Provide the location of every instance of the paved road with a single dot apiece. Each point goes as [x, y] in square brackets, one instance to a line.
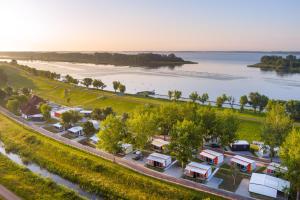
[7, 195]
[126, 163]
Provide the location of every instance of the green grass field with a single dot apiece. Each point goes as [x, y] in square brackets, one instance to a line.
[93, 173]
[29, 186]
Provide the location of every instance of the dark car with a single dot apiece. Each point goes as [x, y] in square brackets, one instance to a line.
[138, 155]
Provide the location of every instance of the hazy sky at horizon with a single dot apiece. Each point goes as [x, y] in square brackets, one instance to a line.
[120, 25]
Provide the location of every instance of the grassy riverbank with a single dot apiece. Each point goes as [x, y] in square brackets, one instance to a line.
[91, 172]
[29, 186]
[88, 98]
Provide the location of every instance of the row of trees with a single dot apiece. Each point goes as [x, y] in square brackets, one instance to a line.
[96, 83]
[188, 125]
[36, 72]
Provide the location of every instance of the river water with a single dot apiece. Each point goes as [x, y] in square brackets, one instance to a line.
[45, 173]
[216, 73]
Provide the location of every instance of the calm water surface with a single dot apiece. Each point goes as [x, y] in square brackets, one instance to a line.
[215, 73]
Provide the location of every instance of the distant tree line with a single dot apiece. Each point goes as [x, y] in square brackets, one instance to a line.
[290, 63]
[36, 72]
[141, 59]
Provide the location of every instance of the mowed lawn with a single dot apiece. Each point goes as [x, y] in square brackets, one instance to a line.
[55, 91]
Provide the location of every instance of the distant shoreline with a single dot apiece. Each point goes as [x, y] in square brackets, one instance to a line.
[150, 60]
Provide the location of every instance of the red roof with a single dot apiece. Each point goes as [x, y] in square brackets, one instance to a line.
[32, 106]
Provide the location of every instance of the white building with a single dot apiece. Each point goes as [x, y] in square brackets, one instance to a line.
[244, 164]
[58, 126]
[159, 160]
[159, 145]
[126, 148]
[94, 139]
[76, 130]
[86, 113]
[276, 168]
[95, 123]
[198, 171]
[211, 157]
[267, 185]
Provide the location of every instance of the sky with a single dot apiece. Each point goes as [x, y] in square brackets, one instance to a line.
[149, 25]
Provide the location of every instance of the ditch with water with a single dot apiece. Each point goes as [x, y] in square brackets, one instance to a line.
[45, 173]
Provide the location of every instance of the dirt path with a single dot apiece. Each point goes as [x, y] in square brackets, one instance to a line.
[7, 195]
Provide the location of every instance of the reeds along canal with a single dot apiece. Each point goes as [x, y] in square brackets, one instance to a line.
[45, 173]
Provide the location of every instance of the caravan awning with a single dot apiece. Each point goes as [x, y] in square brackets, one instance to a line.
[241, 162]
[205, 154]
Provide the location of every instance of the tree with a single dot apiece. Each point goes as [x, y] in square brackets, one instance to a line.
[101, 114]
[254, 99]
[25, 91]
[231, 101]
[276, 127]
[184, 140]
[87, 82]
[263, 101]
[3, 77]
[98, 84]
[141, 126]
[13, 106]
[122, 88]
[243, 102]
[203, 98]
[76, 116]
[9, 90]
[88, 128]
[177, 95]
[112, 132]
[290, 157]
[2, 95]
[116, 85]
[194, 96]
[207, 119]
[170, 94]
[167, 116]
[227, 127]
[293, 109]
[45, 110]
[220, 101]
[66, 118]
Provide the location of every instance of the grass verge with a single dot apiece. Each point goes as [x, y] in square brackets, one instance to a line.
[29, 186]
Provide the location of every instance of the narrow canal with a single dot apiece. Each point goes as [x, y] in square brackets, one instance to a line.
[45, 173]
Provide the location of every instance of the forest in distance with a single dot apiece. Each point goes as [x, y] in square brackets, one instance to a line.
[151, 60]
[289, 64]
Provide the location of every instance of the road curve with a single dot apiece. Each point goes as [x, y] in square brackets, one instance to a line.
[126, 163]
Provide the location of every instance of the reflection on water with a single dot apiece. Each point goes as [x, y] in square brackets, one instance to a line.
[44, 173]
[215, 73]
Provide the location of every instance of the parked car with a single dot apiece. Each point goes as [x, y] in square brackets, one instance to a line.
[138, 155]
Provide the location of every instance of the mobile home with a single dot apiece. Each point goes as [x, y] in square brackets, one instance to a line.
[211, 157]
